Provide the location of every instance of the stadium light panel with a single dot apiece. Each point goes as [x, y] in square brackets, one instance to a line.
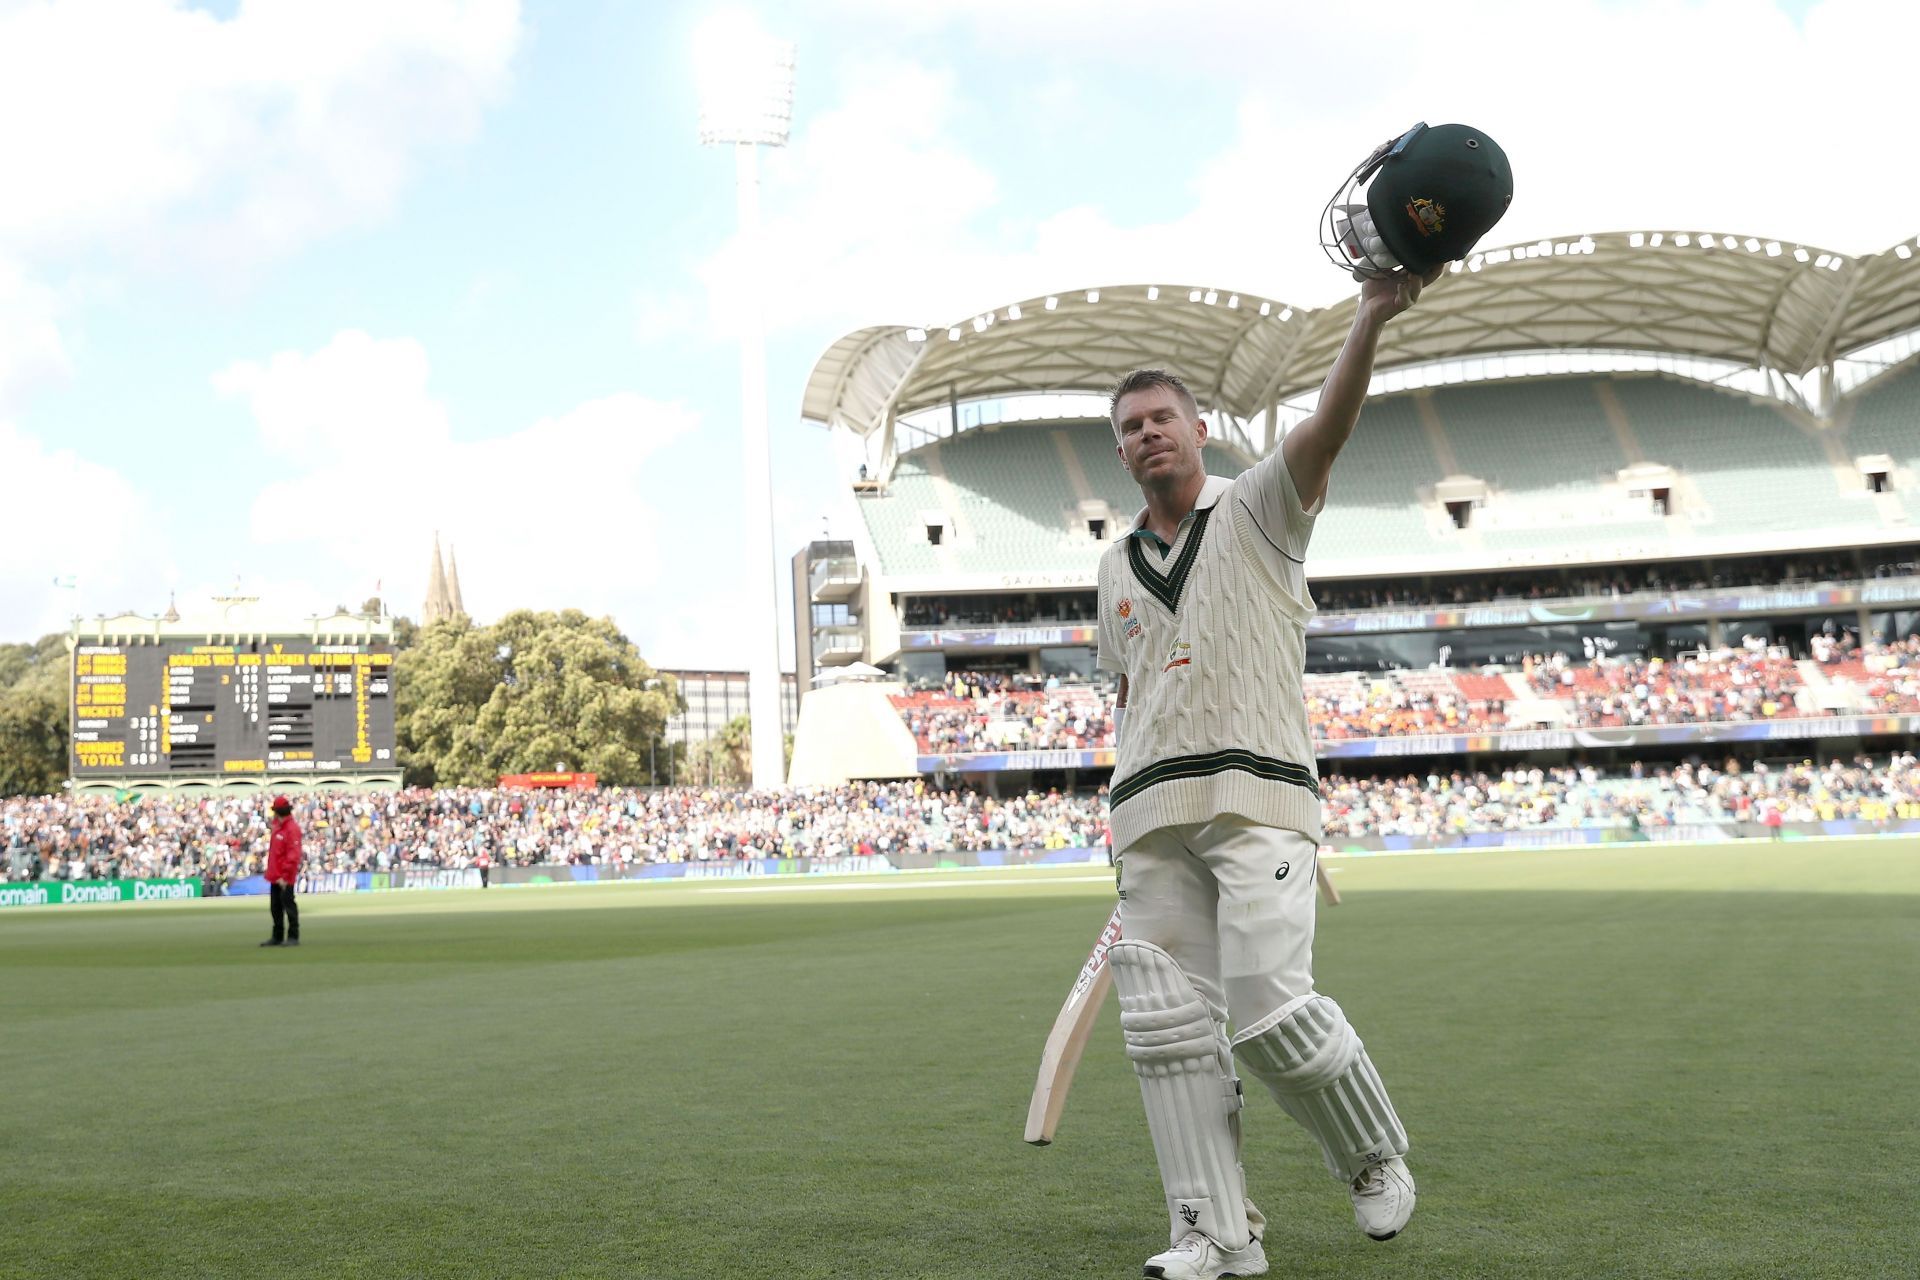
[1753, 246]
[1658, 236]
[916, 335]
[745, 78]
[953, 334]
[979, 324]
[1730, 242]
[1586, 244]
[1799, 254]
[1683, 240]
[1820, 263]
[1458, 266]
[1013, 312]
[1902, 252]
[1153, 293]
[1286, 313]
[1233, 302]
[1193, 295]
[1266, 308]
[1637, 240]
[1093, 295]
[1211, 297]
[1773, 248]
[1052, 302]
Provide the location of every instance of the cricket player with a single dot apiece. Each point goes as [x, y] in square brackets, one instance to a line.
[1203, 608]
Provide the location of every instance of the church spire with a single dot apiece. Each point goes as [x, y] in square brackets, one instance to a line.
[437, 606]
[454, 601]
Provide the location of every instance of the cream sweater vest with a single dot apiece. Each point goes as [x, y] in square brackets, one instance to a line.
[1213, 648]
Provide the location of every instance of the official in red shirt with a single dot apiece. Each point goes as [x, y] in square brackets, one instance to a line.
[283, 868]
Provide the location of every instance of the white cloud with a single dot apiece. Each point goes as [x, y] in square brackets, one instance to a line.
[71, 520]
[146, 128]
[368, 389]
[564, 513]
[142, 135]
[1722, 115]
[31, 348]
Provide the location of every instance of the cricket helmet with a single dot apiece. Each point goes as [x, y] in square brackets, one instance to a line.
[1430, 194]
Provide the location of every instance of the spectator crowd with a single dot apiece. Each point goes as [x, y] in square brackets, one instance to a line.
[1643, 797]
[975, 711]
[223, 837]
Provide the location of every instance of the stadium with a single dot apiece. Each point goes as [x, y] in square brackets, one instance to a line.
[1618, 502]
[1612, 685]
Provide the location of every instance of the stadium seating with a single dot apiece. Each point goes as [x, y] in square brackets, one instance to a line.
[893, 517]
[1887, 420]
[1756, 471]
[1374, 509]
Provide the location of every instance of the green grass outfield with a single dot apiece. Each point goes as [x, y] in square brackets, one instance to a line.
[1632, 1061]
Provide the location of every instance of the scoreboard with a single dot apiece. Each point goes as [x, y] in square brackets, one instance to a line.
[173, 708]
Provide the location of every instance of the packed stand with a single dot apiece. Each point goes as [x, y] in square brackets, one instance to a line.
[1752, 683]
[225, 837]
[1644, 798]
[1345, 707]
[1888, 675]
[984, 711]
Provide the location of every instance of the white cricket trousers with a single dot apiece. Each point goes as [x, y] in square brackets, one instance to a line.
[1232, 902]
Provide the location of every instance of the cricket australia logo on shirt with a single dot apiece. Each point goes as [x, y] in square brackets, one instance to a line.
[1125, 610]
[1179, 654]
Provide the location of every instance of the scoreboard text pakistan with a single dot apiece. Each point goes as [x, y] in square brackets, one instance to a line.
[175, 709]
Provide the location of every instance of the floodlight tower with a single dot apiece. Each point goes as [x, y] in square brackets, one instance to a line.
[746, 101]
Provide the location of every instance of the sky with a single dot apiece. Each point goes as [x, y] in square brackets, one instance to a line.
[287, 287]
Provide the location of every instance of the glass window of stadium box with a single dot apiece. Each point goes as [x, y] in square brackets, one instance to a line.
[1075, 662]
[1898, 625]
[922, 668]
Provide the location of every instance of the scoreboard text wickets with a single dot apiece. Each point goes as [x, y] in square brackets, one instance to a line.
[274, 707]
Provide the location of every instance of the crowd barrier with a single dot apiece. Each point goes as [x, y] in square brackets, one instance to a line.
[67, 893]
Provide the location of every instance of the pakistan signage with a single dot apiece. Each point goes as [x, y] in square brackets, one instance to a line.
[72, 893]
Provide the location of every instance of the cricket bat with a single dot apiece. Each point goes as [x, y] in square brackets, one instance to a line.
[1069, 1037]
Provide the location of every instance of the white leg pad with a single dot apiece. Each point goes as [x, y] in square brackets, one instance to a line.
[1193, 1099]
[1318, 1071]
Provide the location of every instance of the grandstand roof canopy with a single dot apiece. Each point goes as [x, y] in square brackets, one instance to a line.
[1755, 303]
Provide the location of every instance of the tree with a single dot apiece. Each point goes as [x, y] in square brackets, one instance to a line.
[531, 692]
[726, 759]
[33, 716]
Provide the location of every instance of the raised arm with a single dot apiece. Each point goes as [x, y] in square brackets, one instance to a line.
[1311, 447]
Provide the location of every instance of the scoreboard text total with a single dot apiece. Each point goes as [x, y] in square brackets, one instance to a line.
[273, 706]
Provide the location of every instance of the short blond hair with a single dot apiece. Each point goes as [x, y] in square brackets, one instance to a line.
[1146, 380]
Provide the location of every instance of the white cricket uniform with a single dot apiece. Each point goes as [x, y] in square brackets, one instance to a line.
[1215, 810]
[1216, 807]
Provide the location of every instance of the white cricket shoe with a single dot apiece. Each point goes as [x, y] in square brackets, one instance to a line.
[1200, 1257]
[1383, 1198]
